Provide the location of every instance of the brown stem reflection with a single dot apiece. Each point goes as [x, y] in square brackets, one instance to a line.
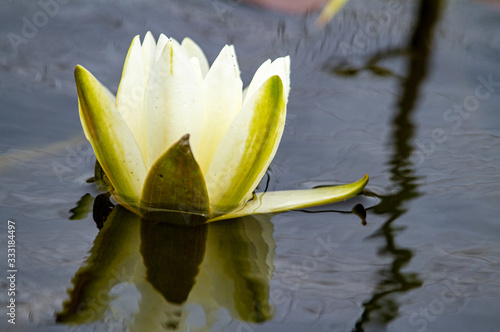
[227, 264]
[382, 307]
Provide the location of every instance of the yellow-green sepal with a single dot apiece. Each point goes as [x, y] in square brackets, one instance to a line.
[113, 142]
[247, 149]
[175, 184]
[280, 201]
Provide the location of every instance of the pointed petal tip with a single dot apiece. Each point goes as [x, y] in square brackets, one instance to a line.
[79, 69]
[277, 78]
[83, 77]
[188, 42]
[184, 144]
[175, 183]
[277, 88]
[364, 179]
[82, 73]
[149, 36]
[184, 141]
[135, 40]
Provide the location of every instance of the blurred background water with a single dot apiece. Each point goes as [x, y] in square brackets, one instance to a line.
[407, 91]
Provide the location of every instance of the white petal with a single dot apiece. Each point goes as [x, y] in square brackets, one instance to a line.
[173, 100]
[280, 67]
[130, 95]
[193, 50]
[148, 55]
[258, 78]
[247, 149]
[162, 41]
[221, 93]
[197, 69]
[235, 61]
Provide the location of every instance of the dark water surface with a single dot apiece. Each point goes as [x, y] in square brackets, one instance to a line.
[407, 91]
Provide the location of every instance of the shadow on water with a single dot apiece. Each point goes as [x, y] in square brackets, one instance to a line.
[382, 308]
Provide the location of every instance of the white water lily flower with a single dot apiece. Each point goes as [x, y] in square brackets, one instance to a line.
[183, 136]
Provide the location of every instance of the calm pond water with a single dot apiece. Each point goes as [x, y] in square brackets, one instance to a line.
[407, 91]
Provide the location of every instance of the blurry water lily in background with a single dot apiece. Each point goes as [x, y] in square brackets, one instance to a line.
[181, 136]
[331, 8]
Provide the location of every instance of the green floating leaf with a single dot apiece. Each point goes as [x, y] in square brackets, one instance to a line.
[280, 201]
[175, 184]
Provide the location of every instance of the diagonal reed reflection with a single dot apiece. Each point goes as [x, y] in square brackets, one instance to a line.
[382, 308]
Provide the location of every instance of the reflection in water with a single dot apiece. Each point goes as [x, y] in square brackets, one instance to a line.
[358, 210]
[382, 308]
[239, 266]
[102, 209]
[83, 208]
[112, 260]
[164, 246]
[227, 264]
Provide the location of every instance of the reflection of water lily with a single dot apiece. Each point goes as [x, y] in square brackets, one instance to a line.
[181, 136]
[222, 265]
